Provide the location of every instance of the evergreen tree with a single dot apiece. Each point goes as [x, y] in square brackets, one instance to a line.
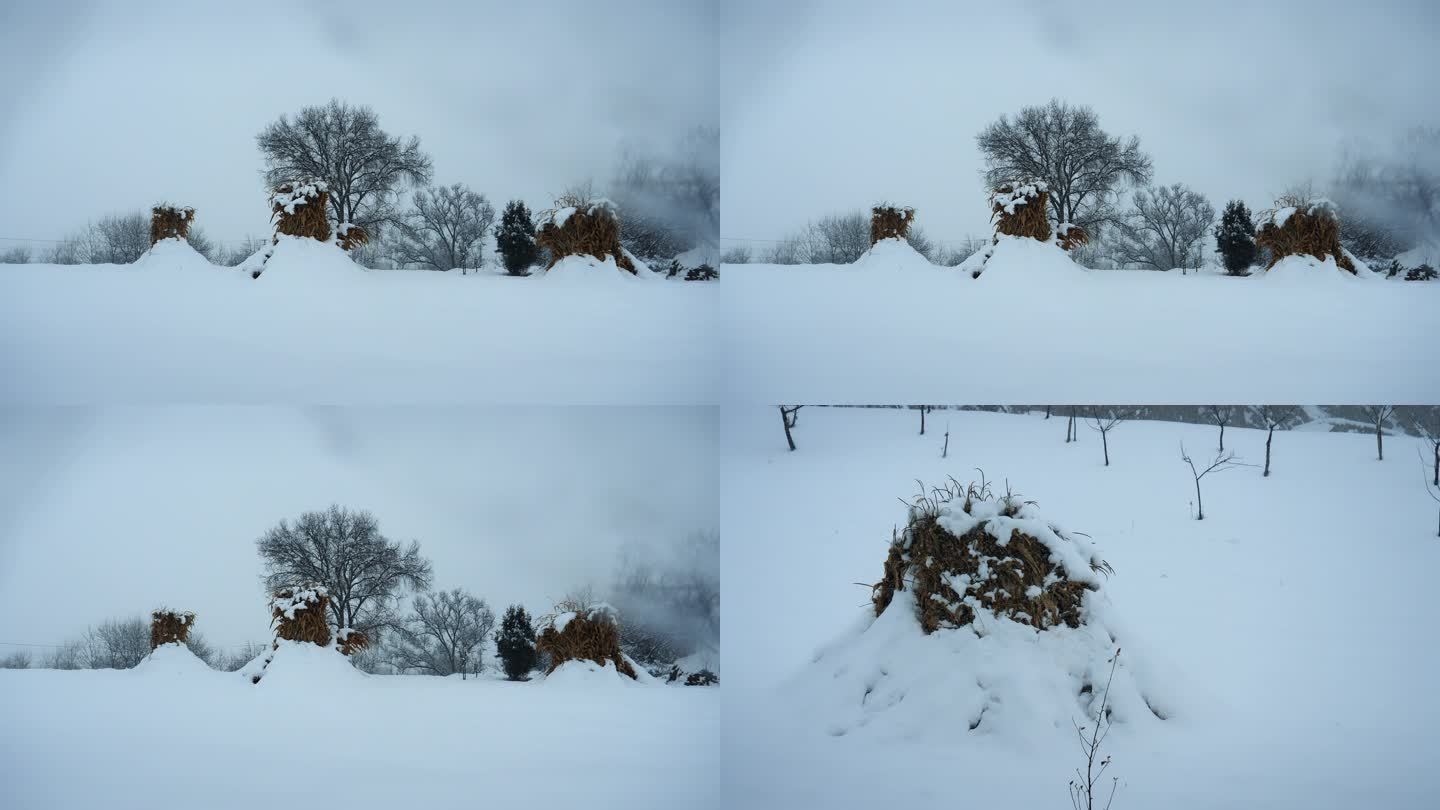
[1235, 238]
[515, 641]
[516, 239]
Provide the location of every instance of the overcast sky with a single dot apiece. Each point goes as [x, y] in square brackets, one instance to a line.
[112, 106]
[832, 105]
[114, 513]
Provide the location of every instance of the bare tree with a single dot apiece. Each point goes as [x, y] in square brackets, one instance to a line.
[1064, 146]
[789, 416]
[446, 229]
[740, 254]
[200, 241]
[1430, 431]
[444, 634]
[1431, 489]
[670, 199]
[115, 644]
[1221, 462]
[1222, 414]
[923, 410]
[16, 660]
[1280, 417]
[1105, 420]
[16, 255]
[669, 598]
[344, 551]
[1082, 787]
[1395, 191]
[1165, 229]
[345, 146]
[836, 239]
[1378, 416]
[1070, 426]
[945, 448]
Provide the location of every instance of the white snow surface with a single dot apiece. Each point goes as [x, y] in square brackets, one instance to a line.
[1291, 673]
[315, 328]
[892, 254]
[1035, 323]
[320, 734]
[173, 660]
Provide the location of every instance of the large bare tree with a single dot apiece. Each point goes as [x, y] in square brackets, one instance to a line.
[669, 199]
[344, 145]
[1392, 194]
[343, 550]
[1064, 145]
[1165, 229]
[445, 230]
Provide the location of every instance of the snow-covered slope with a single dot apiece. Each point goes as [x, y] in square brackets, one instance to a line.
[1035, 323]
[317, 329]
[1283, 637]
[321, 736]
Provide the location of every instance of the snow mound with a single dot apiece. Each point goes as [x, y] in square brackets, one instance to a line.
[998, 677]
[173, 660]
[1018, 260]
[301, 664]
[588, 269]
[172, 254]
[297, 258]
[584, 672]
[892, 254]
[1306, 269]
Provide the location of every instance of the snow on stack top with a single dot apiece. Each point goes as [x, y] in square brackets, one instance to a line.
[170, 222]
[889, 248]
[588, 229]
[173, 658]
[1019, 209]
[173, 253]
[964, 551]
[299, 614]
[589, 633]
[1303, 227]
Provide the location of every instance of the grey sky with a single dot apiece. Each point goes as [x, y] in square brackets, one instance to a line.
[833, 105]
[110, 106]
[115, 512]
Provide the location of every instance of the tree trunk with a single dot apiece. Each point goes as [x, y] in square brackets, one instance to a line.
[1379, 445]
[1222, 437]
[922, 420]
[945, 451]
[1436, 482]
[1199, 504]
[1047, 411]
[786, 421]
[1268, 437]
[1105, 442]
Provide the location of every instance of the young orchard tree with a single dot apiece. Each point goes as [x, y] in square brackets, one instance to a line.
[1104, 420]
[364, 166]
[1221, 462]
[1235, 238]
[1277, 417]
[789, 416]
[923, 410]
[445, 230]
[515, 643]
[515, 239]
[1166, 228]
[444, 634]
[1430, 432]
[1064, 145]
[1378, 416]
[344, 550]
[1083, 795]
[1222, 414]
[1070, 426]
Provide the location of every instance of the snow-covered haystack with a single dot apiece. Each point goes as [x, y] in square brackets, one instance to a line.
[1022, 261]
[172, 254]
[892, 254]
[589, 634]
[301, 614]
[170, 626]
[350, 641]
[1069, 236]
[301, 209]
[1308, 228]
[301, 260]
[890, 222]
[173, 658]
[988, 620]
[170, 222]
[1021, 210]
[577, 227]
[964, 551]
[349, 236]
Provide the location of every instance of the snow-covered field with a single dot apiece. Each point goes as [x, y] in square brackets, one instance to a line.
[316, 329]
[894, 328]
[1288, 638]
[174, 733]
